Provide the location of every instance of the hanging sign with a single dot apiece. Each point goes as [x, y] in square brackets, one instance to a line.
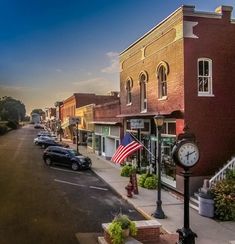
[137, 123]
[74, 120]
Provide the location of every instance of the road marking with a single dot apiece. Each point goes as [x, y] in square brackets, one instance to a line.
[98, 188]
[69, 183]
[65, 170]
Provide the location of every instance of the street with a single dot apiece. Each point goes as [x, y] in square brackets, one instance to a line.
[39, 204]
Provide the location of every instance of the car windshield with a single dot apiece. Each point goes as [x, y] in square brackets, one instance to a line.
[73, 152]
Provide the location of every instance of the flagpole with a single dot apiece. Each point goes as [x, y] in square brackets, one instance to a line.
[142, 144]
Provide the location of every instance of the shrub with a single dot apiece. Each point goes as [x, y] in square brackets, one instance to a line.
[3, 129]
[142, 179]
[12, 124]
[120, 223]
[127, 170]
[224, 197]
[230, 174]
[150, 182]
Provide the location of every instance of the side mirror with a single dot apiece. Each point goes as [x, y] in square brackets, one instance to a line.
[67, 155]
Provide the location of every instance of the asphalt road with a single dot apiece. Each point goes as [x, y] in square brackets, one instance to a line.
[49, 205]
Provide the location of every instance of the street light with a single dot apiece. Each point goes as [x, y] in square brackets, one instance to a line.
[159, 121]
[77, 133]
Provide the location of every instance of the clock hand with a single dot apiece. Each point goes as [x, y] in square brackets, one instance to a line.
[190, 153]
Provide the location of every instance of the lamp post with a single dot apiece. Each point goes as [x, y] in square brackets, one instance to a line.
[159, 121]
[77, 134]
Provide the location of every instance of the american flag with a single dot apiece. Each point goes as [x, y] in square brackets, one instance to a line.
[127, 147]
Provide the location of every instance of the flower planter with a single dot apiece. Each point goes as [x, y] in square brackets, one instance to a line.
[206, 207]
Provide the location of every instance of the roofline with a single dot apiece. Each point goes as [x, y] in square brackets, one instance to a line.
[191, 12]
[156, 26]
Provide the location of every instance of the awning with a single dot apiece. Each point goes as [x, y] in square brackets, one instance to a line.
[65, 124]
[104, 122]
[176, 113]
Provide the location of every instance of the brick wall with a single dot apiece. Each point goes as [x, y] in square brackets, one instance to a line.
[162, 44]
[212, 118]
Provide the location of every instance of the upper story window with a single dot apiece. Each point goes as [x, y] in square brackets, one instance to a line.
[162, 72]
[143, 78]
[129, 85]
[204, 76]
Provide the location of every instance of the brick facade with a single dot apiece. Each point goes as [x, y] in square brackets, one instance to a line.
[177, 43]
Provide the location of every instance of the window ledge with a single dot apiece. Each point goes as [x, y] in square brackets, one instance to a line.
[144, 111]
[162, 99]
[205, 95]
[128, 104]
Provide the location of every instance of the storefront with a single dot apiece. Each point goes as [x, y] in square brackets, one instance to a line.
[107, 138]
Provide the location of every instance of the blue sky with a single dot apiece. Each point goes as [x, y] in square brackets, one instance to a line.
[50, 49]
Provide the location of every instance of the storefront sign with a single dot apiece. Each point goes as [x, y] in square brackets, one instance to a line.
[137, 123]
[168, 140]
[74, 120]
[153, 138]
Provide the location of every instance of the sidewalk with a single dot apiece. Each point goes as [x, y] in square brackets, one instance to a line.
[208, 230]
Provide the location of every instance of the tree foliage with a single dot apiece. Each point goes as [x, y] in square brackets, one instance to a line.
[11, 109]
[38, 111]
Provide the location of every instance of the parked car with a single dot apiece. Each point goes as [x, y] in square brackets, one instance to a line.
[66, 157]
[51, 142]
[43, 138]
[38, 126]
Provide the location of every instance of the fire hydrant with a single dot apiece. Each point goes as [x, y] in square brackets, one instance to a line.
[129, 189]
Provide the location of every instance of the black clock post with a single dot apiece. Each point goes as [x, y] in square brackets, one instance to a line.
[186, 235]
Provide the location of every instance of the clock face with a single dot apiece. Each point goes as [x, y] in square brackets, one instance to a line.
[188, 154]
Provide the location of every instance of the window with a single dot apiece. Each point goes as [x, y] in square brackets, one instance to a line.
[204, 77]
[162, 72]
[143, 91]
[129, 85]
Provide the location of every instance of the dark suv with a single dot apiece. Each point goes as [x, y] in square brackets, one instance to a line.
[50, 142]
[66, 157]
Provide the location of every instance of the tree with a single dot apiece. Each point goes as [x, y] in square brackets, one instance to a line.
[38, 111]
[11, 109]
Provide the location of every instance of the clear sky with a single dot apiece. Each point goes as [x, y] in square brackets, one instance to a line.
[50, 49]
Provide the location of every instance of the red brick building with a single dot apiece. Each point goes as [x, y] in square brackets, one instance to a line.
[184, 69]
[77, 100]
[108, 128]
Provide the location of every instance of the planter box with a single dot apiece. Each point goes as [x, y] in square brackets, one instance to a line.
[206, 207]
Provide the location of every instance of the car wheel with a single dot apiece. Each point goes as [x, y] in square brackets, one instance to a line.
[75, 166]
[43, 146]
[48, 161]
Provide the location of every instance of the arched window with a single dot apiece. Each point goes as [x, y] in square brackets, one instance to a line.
[162, 72]
[129, 85]
[143, 78]
[204, 68]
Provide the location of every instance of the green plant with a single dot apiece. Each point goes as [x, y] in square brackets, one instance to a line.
[150, 182]
[126, 170]
[142, 179]
[224, 197]
[230, 174]
[120, 223]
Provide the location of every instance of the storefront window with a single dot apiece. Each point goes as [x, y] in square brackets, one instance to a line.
[103, 144]
[168, 141]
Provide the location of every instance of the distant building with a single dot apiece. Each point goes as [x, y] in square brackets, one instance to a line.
[108, 128]
[77, 100]
[35, 118]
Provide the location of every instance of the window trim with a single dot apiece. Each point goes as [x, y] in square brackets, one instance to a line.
[166, 67]
[208, 93]
[143, 83]
[128, 92]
